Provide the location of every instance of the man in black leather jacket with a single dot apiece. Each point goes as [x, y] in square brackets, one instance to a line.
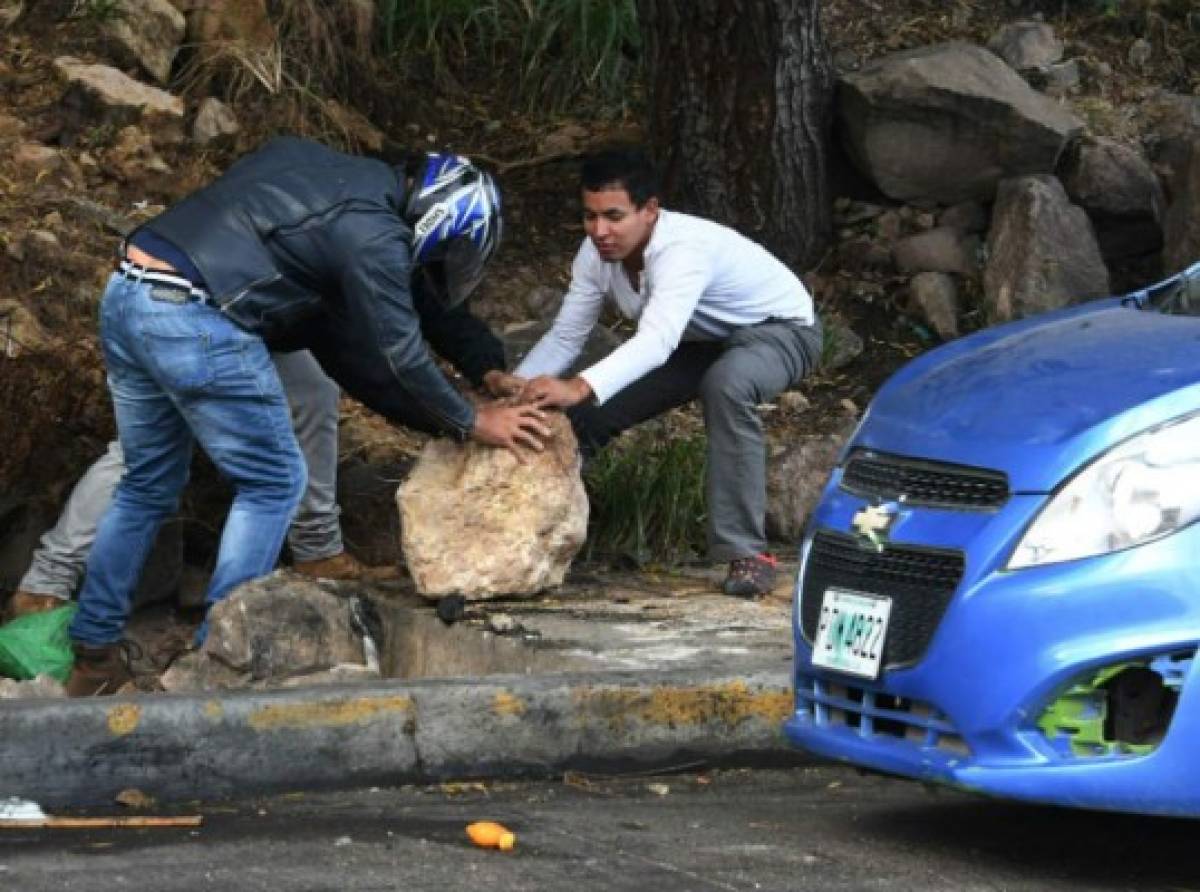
[308, 247]
[295, 246]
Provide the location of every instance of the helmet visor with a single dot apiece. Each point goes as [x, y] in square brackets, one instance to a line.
[462, 271]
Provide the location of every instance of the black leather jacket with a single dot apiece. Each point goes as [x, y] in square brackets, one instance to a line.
[308, 248]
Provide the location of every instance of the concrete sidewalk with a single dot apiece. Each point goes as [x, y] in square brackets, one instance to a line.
[612, 674]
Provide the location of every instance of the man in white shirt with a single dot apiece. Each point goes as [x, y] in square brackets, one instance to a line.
[718, 318]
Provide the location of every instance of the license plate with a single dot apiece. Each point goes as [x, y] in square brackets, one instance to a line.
[851, 632]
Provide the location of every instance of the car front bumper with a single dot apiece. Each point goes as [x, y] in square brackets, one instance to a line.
[971, 711]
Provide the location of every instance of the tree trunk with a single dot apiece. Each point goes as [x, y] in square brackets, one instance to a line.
[741, 98]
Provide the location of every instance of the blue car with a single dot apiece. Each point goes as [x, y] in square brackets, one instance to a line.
[1000, 587]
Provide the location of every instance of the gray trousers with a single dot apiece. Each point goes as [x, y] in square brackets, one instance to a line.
[730, 378]
[60, 559]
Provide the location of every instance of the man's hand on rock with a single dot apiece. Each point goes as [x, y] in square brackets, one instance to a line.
[500, 383]
[511, 427]
[548, 392]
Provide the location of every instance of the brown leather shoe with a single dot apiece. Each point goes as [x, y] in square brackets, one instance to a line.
[345, 566]
[22, 603]
[99, 671]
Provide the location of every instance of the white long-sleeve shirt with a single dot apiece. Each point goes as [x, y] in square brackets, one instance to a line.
[701, 281]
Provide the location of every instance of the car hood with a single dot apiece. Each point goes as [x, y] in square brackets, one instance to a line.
[1038, 398]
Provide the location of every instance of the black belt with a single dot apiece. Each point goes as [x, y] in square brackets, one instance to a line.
[178, 288]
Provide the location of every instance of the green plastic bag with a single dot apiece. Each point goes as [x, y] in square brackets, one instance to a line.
[37, 644]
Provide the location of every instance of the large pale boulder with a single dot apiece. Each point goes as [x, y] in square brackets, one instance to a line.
[476, 521]
[947, 122]
[1042, 251]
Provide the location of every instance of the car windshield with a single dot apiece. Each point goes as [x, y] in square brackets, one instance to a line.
[1178, 296]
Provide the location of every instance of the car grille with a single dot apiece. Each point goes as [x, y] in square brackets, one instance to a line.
[877, 475]
[873, 714]
[920, 582]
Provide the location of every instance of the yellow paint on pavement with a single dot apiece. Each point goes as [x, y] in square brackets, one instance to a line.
[505, 703]
[314, 715]
[728, 704]
[124, 719]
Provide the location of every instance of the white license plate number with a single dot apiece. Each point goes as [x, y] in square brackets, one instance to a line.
[851, 632]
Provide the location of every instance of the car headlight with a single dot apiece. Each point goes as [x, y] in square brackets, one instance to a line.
[1146, 488]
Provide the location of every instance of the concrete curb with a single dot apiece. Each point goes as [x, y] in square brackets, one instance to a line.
[187, 747]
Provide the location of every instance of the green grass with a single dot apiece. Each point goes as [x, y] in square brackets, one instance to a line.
[571, 47]
[647, 498]
[552, 52]
[444, 31]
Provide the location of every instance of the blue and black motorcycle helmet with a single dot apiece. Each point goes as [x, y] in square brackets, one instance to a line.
[454, 210]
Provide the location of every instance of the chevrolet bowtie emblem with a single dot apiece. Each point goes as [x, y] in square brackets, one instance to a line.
[873, 522]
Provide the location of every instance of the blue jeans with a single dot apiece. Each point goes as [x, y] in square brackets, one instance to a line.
[179, 373]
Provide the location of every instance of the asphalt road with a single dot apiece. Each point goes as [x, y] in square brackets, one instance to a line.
[823, 828]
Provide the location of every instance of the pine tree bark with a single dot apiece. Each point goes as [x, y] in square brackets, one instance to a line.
[740, 97]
